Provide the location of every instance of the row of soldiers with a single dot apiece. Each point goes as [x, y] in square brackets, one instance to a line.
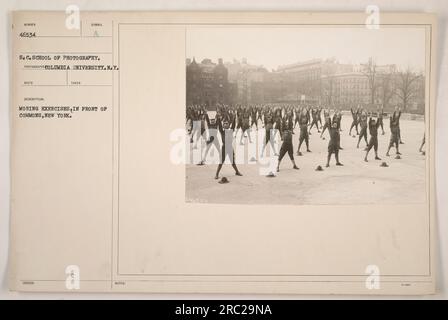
[284, 119]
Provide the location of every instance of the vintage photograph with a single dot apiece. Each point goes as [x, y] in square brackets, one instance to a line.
[226, 152]
[305, 115]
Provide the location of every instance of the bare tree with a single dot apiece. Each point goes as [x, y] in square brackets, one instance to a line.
[405, 86]
[370, 71]
[387, 88]
[328, 86]
[328, 90]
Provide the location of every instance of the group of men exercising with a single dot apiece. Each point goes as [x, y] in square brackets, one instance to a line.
[229, 120]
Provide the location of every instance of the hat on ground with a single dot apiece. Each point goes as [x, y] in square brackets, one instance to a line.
[384, 164]
[397, 156]
[319, 168]
[223, 180]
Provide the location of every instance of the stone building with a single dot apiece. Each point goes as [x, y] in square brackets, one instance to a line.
[246, 77]
[207, 83]
[303, 80]
[316, 82]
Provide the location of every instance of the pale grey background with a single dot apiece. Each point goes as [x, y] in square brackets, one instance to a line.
[434, 6]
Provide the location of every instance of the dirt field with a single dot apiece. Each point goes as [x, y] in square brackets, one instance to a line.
[357, 182]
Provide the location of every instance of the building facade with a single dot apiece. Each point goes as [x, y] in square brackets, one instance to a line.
[246, 77]
[303, 80]
[316, 82]
[207, 83]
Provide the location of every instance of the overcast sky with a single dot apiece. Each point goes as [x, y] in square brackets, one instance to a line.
[274, 46]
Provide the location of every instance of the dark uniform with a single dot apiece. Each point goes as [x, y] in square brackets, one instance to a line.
[253, 117]
[226, 149]
[327, 123]
[363, 133]
[394, 132]
[373, 129]
[278, 123]
[335, 141]
[334, 145]
[296, 116]
[212, 127]
[260, 114]
[380, 121]
[202, 117]
[245, 124]
[421, 146]
[373, 142]
[287, 146]
[303, 124]
[268, 125]
[315, 116]
[354, 121]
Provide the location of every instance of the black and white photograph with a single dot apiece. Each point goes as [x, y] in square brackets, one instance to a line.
[306, 114]
[231, 152]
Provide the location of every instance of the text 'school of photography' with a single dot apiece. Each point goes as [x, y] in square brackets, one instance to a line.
[345, 105]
